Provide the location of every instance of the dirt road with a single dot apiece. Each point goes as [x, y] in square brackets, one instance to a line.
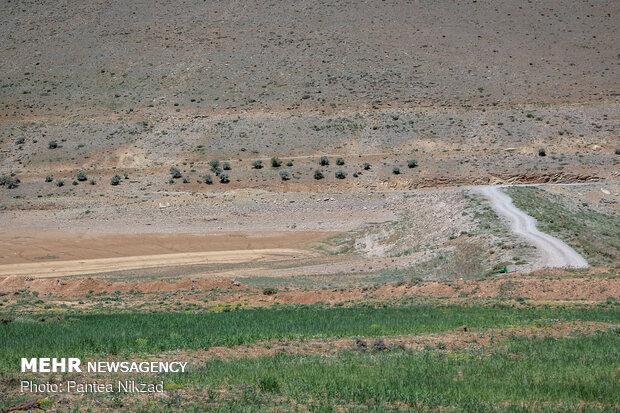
[94, 266]
[555, 253]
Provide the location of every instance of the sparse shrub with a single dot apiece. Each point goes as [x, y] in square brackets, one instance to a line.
[412, 163]
[285, 175]
[52, 145]
[339, 161]
[257, 164]
[270, 291]
[224, 178]
[49, 178]
[20, 141]
[276, 162]
[542, 152]
[81, 176]
[355, 174]
[93, 182]
[60, 182]
[226, 166]
[74, 182]
[9, 182]
[171, 181]
[175, 172]
[617, 151]
[289, 163]
[340, 174]
[116, 179]
[215, 165]
[324, 161]
[396, 170]
[185, 181]
[126, 175]
[208, 179]
[318, 175]
[366, 166]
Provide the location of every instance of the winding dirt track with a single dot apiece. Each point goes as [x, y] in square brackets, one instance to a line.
[94, 266]
[555, 253]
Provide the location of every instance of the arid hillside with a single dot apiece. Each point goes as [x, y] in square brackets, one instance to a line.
[470, 90]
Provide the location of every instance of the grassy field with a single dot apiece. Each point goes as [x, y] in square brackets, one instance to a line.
[527, 374]
[594, 234]
[514, 373]
[123, 334]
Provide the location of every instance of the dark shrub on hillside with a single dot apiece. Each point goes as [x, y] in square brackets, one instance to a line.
[175, 173]
[214, 164]
[396, 170]
[81, 176]
[224, 178]
[542, 152]
[339, 161]
[257, 164]
[324, 161]
[276, 162]
[412, 163]
[226, 166]
[49, 178]
[208, 179]
[366, 166]
[318, 174]
[60, 182]
[285, 175]
[52, 145]
[116, 179]
[340, 174]
[9, 181]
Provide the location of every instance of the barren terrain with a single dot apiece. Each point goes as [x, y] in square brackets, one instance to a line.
[279, 180]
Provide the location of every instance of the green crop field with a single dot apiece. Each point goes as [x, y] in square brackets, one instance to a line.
[539, 374]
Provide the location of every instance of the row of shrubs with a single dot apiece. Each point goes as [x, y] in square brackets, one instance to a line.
[10, 181]
[217, 169]
[82, 177]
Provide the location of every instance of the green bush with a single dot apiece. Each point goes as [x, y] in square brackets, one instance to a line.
[412, 163]
[324, 161]
[276, 162]
[285, 175]
[366, 166]
[224, 178]
[318, 175]
[60, 182]
[226, 166]
[257, 164]
[396, 170]
[208, 179]
[52, 145]
[81, 176]
[49, 178]
[339, 161]
[175, 172]
[9, 181]
[215, 165]
[340, 174]
[116, 179]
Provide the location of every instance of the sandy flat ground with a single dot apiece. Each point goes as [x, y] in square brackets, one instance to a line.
[93, 266]
[44, 246]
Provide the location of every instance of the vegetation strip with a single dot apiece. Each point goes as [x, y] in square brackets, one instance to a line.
[84, 335]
